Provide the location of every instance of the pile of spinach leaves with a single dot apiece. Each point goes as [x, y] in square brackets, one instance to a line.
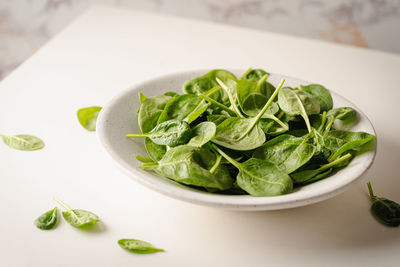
[244, 135]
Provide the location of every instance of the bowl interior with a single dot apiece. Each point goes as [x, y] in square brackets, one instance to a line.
[119, 117]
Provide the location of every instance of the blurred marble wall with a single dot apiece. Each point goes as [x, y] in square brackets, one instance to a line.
[25, 25]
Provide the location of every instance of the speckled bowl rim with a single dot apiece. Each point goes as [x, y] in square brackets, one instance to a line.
[231, 202]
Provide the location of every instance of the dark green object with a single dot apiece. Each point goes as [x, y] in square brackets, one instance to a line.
[384, 210]
[170, 133]
[308, 176]
[150, 111]
[298, 102]
[321, 94]
[191, 166]
[155, 151]
[78, 218]
[287, 152]
[259, 177]
[47, 220]
[88, 117]
[138, 246]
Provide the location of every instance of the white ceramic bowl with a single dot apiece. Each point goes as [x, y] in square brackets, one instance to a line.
[119, 118]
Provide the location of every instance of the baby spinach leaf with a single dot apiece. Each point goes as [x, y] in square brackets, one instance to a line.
[297, 102]
[253, 74]
[155, 151]
[78, 218]
[183, 107]
[308, 176]
[202, 84]
[259, 177]
[202, 133]
[47, 220]
[287, 152]
[343, 113]
[339, 142]
[384, 210]
[150, 111]
[138, 246]
[88, 117]
[321, 94]
[191, 166]
[170, 133]
[23, 142]
[243, 134]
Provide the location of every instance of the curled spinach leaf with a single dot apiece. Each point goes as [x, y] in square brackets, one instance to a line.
[47, 220]
[170, 133]
[23, 142]
[88, 117]
[384, 210]
[338, 142]
[308, 176]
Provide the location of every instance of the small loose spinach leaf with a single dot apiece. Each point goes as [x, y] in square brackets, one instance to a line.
[47, 220]
[78, 218]
[23, 142]
[170, 133]
[384, 210]
[321, 94]
[202, 133]
[155, 151]
[138, 246]
[191, 166]
[150, 111]
[88, 117]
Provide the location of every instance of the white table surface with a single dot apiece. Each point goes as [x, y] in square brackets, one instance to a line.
[107, 50]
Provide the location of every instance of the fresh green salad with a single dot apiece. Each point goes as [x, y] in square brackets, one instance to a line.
[245, 135]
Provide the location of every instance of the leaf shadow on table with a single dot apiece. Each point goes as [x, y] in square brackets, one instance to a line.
[343, 222]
